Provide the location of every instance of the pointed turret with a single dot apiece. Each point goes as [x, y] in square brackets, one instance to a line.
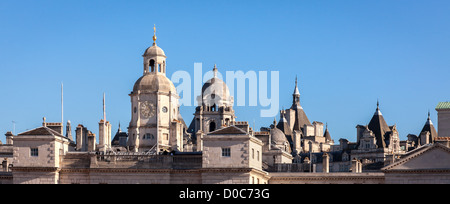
[429, 127]
[379, 127]
[284, 126]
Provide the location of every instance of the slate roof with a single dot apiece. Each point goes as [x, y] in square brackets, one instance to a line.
[116, 139]
[300, 118]
[327, 135]
[231, 130]
[429, 127]
[41, 131]
[379, 127]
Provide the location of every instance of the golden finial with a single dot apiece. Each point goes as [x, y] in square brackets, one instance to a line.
[154, 34]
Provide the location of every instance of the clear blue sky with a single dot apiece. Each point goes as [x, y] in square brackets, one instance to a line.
[347, 55]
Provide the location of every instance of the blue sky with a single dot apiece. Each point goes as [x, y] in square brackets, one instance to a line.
[347, 54]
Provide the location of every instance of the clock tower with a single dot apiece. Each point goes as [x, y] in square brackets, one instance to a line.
[155, 125]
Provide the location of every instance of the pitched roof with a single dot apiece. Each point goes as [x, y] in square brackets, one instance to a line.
[230, 130]
[41, 131]
[284, 126]
[327, 135]
[418, 159]
[379, 127]
[300, 119]
[119, 134]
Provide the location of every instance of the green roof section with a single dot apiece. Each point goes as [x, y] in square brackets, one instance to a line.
[443, 106]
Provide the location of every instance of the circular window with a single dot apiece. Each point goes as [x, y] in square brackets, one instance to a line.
[164, 109]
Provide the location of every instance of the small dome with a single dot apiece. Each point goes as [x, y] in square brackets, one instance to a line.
[279, 140]
[278, 137]
[154, 51]
[153, 82]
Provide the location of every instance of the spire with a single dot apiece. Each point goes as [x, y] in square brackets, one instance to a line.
[154, 34]
[296, 92]
[215, 71]
[429, 119]
[296, 97]
[378, 112]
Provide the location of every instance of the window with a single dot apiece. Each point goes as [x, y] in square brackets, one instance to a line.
[257, 155]
[34, 152]
[212, 126]
[148, 136]
[226, 152]
[253, 153]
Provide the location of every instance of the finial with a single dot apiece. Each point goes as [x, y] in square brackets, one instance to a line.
[154, 34]
[215, 71]
[296, 92]
[429, 114]
[295, 80]
[378, 104]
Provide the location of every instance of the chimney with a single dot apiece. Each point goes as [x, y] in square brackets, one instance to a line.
[91, 142]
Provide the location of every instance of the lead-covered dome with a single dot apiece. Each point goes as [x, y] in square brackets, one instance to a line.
[154, 50]
[154, 82]
[279, 140]
[216, 91]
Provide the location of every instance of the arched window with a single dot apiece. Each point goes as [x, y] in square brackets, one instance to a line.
[163, 67]
[152, 65]
[212, 126]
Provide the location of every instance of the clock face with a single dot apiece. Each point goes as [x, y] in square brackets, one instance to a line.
[147, 109]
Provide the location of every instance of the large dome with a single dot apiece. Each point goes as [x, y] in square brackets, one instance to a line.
[216, 91]
[154, 82]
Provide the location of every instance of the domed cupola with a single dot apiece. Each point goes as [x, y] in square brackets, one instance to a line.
[154, 58]
[216, 92]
